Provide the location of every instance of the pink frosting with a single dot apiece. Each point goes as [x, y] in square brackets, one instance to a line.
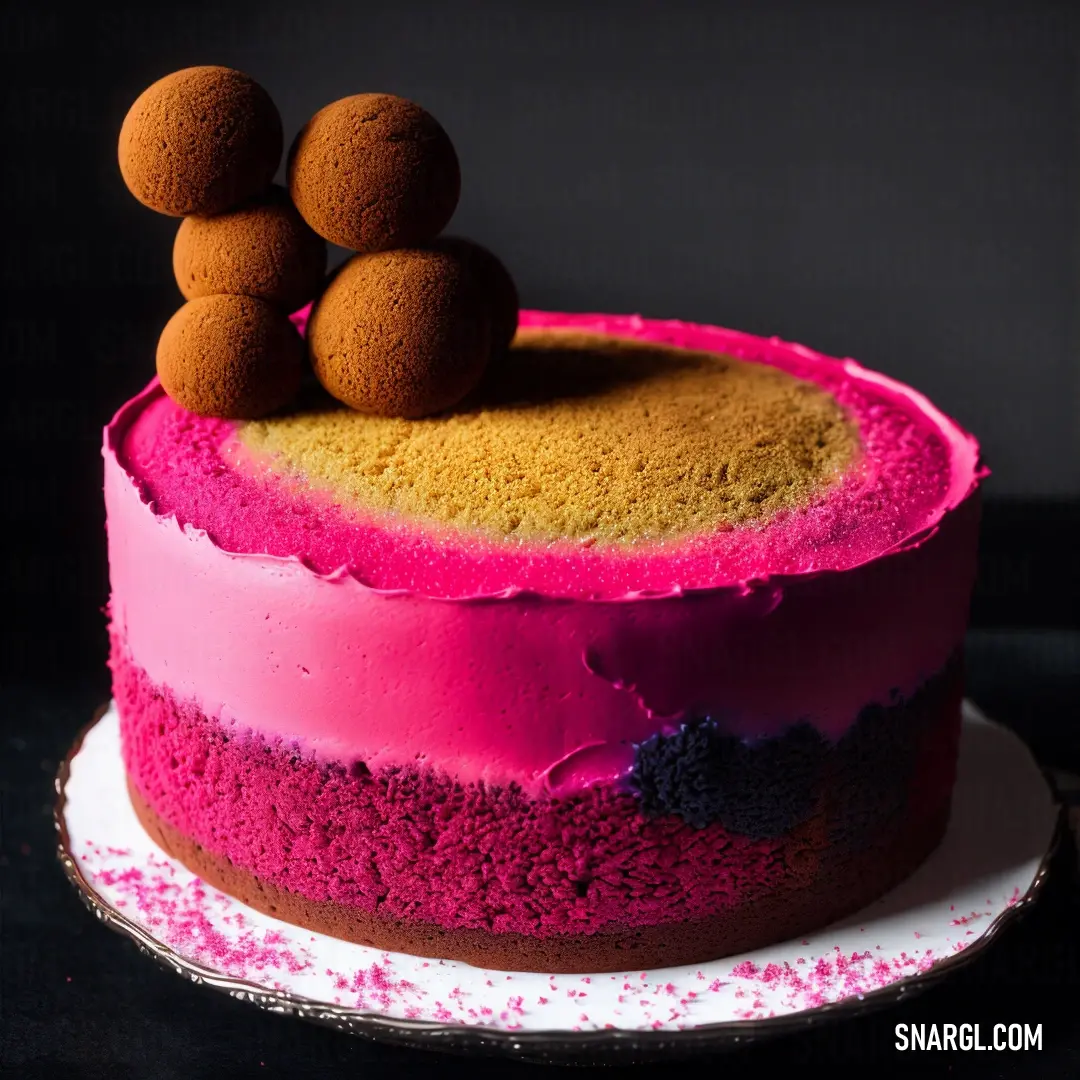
[413, 845]
[385, 641]
[916, 464]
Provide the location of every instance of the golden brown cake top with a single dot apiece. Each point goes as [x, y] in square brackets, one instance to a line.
[581, 436]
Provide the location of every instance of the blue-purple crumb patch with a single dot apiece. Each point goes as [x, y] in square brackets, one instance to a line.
[767, 787]
[757, 789]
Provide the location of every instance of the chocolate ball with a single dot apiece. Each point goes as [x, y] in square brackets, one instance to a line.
[200, 141]
[400, 333]
[263, 249]
[373, 172]
[494, 281]
[230, 356]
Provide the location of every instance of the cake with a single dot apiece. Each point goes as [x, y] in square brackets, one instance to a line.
[535, 641]
[647, 653]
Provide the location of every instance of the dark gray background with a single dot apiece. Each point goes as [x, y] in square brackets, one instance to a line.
[892, 181]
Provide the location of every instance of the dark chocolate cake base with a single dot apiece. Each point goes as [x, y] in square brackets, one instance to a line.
[854, 878]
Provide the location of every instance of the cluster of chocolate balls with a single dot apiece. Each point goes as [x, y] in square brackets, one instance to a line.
[405, 327]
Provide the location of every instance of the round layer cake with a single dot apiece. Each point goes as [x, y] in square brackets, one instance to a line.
[648, 653]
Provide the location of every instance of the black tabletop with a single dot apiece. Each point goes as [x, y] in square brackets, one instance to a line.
[78, 1000]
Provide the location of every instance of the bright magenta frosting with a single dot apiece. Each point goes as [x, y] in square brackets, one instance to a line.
[386, 641]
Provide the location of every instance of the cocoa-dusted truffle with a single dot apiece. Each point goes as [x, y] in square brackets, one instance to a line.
[400, 333]
[199, 141]
[374, 171]
[264, 249]
[230, 356]
[493, 280]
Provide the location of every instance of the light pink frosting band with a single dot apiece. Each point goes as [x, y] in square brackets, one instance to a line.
[545, 688]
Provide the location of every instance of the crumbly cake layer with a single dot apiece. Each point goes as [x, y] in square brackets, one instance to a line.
[406, 855]
[847, 883]
[578, 435]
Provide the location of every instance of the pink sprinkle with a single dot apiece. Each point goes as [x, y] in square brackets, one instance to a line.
[200, 922]
[771, 974]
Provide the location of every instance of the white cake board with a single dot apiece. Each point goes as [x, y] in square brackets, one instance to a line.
[990, 864]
